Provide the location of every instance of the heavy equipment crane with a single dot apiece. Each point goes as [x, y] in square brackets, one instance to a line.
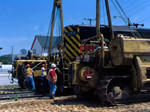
[36, 61]
[114, 72]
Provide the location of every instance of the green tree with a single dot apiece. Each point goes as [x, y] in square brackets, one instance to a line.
[6, 59]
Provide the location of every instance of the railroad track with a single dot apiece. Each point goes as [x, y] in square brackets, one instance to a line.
[27, 95]
[9, 96]
[17, 93]
[137, 98]
[12, 90]
[133, 99]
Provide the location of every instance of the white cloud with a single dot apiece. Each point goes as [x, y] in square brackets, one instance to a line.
[36, 27]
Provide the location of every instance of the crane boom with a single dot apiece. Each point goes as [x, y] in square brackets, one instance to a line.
[109, 20]
[57, 4]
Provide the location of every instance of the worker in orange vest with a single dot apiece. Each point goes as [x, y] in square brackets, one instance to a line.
[29, 77]
[52, 78]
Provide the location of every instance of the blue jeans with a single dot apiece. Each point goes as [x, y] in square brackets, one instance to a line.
[53, 88]
[43, 82]
[30, 79]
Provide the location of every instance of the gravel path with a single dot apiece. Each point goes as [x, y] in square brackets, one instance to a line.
[67, 104]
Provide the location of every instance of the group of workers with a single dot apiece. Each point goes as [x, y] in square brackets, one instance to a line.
[51, 77]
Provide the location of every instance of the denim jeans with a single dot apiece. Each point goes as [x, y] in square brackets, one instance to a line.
[30, 79]
[44, 81]
[53, 88]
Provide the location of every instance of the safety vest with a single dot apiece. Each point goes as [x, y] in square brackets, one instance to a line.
[29, 72]
[49, 76]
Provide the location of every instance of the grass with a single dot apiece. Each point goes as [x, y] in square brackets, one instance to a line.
[10, 86]
[14, 98]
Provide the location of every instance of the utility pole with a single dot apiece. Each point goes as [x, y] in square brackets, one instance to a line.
[89, 19]
[136, 25]
[12, 55]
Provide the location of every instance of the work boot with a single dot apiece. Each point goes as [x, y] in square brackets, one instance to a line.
[52, 96]
[35, 92]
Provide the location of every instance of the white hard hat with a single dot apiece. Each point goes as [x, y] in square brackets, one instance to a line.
[53, 65]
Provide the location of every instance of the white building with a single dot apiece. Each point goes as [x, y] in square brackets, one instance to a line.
[41, 44]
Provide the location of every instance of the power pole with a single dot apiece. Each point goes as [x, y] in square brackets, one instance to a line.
[89, 19]
[12, 55]
[136, 25]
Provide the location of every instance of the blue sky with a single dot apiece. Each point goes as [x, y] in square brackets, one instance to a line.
[21, 20]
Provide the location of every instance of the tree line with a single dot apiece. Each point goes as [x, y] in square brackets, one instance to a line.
[6, 59]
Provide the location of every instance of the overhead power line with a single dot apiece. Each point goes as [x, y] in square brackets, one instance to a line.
[147, 18]
[89, 19]
[138, 8]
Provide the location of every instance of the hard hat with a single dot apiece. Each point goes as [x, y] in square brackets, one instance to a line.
[53, 65]
[104, 42]
[28, 65]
